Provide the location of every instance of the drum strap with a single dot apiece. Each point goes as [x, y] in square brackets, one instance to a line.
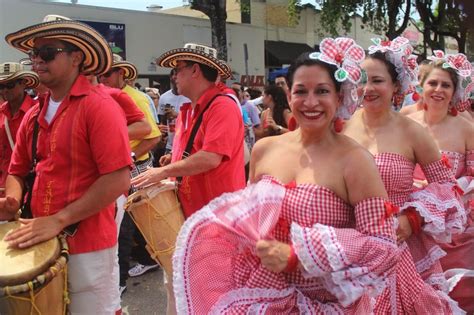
[30, 177]
[189, 145]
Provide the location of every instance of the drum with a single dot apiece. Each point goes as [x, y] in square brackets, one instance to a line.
[157, 213]
[33, 280]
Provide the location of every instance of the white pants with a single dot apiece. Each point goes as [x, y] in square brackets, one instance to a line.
[120, 202]
[93, 281]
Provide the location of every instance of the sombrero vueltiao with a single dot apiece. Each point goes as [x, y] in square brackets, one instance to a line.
[197, 53]
[11, 71]
[130, 70]
[97, 53]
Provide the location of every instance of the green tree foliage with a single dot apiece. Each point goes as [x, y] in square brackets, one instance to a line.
[387, 17]
[434, 18]
[443, 18]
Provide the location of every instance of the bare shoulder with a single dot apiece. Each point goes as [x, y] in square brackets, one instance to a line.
[262, 147]
[408, 110]
[466, 123]
[467, 129]
[423, 144]
[361, 174]
[353, 153]
[416, 116]
[356, 155]
[415, 131]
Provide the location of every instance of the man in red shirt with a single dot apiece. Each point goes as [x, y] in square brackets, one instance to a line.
[215, 164]
[83, 160]
[13, 82]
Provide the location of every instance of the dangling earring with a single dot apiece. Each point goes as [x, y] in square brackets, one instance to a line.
[415, 97]
[292, 124]
[338, 124]
[453, 111]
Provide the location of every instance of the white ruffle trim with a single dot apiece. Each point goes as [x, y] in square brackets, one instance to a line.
[466, 183]
[452, 303]
[179, 286]
[346, 290]
[249, 296]
[259, 299]
[255, 193]
[434, 255]
[440, 229]
[438, 281]
[312, 265]
[455, 275]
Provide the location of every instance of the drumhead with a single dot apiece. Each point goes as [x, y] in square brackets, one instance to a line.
[151, 191]
[22, 265]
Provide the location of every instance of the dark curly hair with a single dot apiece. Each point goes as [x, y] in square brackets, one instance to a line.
[281, 103]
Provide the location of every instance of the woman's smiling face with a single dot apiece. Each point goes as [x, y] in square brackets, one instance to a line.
[380, 87]
[438, 89]
[313, 98]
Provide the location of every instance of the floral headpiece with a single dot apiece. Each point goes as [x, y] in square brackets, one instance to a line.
[400, 53]
[347, 56]
[464, 70]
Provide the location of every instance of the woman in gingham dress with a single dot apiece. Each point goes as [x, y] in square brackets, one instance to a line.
[446, 87]
[427, 216]
[313, 233]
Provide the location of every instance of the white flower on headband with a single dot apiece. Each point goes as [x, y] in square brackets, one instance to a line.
[458, 62]
[385, 45]
[343, 53]
[347, 56]
[464, 70]
[400, 53]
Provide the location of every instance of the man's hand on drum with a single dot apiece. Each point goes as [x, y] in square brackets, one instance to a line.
[8, 208]
[34, 231]
[273, 255]
[151, 176]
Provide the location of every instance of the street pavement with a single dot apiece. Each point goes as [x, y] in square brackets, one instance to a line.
[145, 295]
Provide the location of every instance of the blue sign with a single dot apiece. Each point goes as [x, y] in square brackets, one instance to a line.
[114, 33]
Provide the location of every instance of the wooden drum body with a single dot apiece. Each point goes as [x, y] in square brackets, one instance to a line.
[33, 280]
[158, 215]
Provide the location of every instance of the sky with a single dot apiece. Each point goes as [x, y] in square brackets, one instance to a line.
[136, 4]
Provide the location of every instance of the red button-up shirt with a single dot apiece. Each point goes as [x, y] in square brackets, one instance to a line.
[131, 111]
[221, 132]
[14, 124]
[86, 139]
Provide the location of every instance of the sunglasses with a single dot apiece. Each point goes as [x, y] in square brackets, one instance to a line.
[109, 73]
[9, 85]
[46, 53]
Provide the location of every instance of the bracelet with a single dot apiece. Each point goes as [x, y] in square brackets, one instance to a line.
[292, 263]
[414, 220]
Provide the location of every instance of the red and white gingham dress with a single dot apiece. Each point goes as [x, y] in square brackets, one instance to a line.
[438, 203]
[350, 261]
[460, 252]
